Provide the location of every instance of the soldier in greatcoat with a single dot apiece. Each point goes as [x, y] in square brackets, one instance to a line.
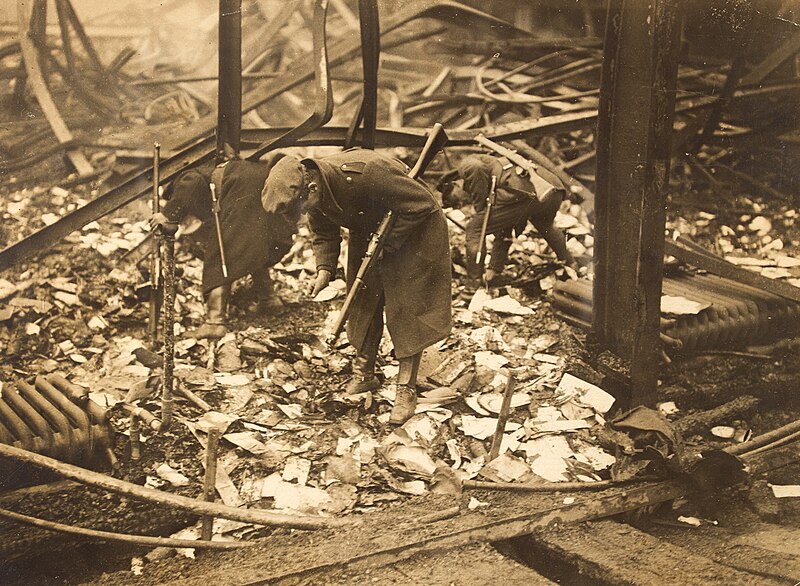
[411, 282]
[253, 239]
[516, 204]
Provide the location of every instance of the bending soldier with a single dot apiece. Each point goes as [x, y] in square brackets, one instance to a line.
[515, 206]
[253, 240]
[355, 189]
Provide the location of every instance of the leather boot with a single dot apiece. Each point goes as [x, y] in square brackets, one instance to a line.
[268, 302]
[405, 403]
[216, 314]
[363, 379]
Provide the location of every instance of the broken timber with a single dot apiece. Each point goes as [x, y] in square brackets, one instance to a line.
[258, 570]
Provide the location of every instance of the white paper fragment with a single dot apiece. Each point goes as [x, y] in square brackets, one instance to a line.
[292, 410]
[507, 305]
[247, 441]
[413, 459]
[7, 288]
[668, 408]
[551, 468]
[296, 468]
[597, 457]
[589, 394]
[231, 380]
[723, 431]
[327, 294]
[215, 420]
[483, 427]
[97, 322]
[474, 404]
[677, 305]
[490, 360]
[301, 498]
[475, 503]
[547, 413]
[492, 402]
[103, 399]
[175, 478]
[508, 468]
[783, 491]
[421, 427]
[562, 425]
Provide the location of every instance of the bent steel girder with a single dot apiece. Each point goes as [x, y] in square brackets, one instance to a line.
[323, 100]
[37, 82]
[195, 144]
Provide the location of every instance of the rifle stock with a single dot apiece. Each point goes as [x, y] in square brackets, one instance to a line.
[434, 143]
[542, 187]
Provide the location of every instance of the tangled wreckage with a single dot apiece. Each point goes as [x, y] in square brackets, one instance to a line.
[638, 399]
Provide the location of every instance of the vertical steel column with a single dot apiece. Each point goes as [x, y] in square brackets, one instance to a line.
[229, 91]
[637, 100]
[370, 56]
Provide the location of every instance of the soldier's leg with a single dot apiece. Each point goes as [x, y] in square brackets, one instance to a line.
[268, 301]
[542, 220]
[364, 378]
[473, 237]
[405, 401]
[499, 255]
[216, 302]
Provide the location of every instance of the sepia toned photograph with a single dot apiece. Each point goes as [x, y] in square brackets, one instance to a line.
[399, 292]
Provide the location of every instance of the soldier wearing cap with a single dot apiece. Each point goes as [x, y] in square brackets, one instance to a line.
[253, 239]
[411, 282]
[516, 204]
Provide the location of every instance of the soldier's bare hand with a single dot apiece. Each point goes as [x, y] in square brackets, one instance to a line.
[322, 281]
[157, 220]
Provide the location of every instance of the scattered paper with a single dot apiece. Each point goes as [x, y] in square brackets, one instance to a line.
[589, 394]
[507, 468]
[551, 468]
[247, 441]
[231, 380]
[783, 491]
[475, 504]
[483, 427]
[676, 305]
[413, 459]
[562, 425]
[723, 431]
[296, 469]
[175, 478]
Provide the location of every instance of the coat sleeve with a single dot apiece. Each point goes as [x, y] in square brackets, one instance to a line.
[410, 201]
[326, 241]
[189, 196]
[477, 181]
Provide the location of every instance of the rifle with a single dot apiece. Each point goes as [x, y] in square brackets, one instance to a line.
[216, 178]
[480, 258]
[542, 187]
[435, 142]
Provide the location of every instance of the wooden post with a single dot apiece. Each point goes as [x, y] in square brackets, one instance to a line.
[637, 99]
[210, 482]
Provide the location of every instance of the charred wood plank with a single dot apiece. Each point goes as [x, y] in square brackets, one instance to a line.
[38, 84]
[607, 552]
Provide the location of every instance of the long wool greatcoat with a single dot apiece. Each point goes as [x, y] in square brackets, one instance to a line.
[253, 239]
[360, 187]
